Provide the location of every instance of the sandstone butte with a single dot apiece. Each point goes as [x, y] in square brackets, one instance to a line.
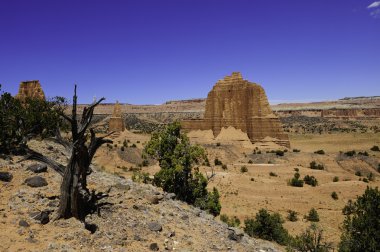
[243, 105]
[31, 89]
[116, 122]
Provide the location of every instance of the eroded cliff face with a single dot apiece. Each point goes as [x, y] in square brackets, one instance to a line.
[31, 89]
[243, 105]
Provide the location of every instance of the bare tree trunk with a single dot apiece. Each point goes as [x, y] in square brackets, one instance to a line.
[75, 197]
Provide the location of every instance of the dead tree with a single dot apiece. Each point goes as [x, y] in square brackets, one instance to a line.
[75, 198]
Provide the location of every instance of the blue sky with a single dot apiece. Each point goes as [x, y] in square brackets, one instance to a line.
[148, 52]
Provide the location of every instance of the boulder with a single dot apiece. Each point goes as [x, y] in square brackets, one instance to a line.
[42, 217]
[6, 176]
[154, 246]
[155, 226]
[37, 168]
[36, 181]
[23, 223]
[235, 234]
[154, 199]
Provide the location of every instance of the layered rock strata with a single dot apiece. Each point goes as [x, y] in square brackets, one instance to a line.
[30, 89]
[243, 105]
[116, 122]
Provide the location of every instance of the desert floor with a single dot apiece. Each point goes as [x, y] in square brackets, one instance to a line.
[243, 194]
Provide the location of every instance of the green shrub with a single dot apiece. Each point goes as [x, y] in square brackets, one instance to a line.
[371, 177]
[122, 148]
[217, 162]
[320, 152]
[218, 144]
[350, 153]
[243, 169]
[250, 161]
[375, 148]
[139, 177]
[311, 240]
[258, 152]
[315, 166]
[296, 169]
[363, 154]
[361, 227]
[22, 120]
[313, 215]
[125, 143]
[296, 150]
[358, 173]
[267, 226]
[334, 195]
[292, 216]
[224, 167]
[279, 153]
[145, 162]
[176, 157]
[310, 180]
[206, 162]
[133, 146]
[336, 179]
[231, 222]
[365, 180]
[295, 181]
[272, 174]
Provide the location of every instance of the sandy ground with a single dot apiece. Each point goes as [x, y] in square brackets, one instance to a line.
[243, 197]
[243, 194]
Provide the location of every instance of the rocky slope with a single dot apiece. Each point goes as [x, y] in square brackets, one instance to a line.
[134, 217]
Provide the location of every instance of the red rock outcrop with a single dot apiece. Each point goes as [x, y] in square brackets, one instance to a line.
[116, 122]
[243, 105]
[31, 89]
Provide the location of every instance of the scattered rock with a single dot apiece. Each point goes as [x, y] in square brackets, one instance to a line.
[37, 168]
[235, 234]
[139, 207]
[6, 176]
[36, 181]
[137, 238]
[45, 217]
[23, 223]
[123, 187]
[170, 196]
[42, 217]
[154, 199]
[154, 246]
[171, 234]
[155, 226]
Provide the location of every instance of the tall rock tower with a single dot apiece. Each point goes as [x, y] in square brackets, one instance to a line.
[243, 105]
[116, 122]
[31, 89]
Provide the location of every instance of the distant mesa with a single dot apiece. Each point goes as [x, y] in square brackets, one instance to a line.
[235, 102]
[116, 122]
[30, 89]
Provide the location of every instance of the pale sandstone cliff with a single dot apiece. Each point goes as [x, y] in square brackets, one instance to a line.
[243, 105]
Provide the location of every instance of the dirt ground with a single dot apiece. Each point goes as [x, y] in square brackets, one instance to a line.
[243, 194]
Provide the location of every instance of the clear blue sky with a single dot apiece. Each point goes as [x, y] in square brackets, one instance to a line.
[148, 52]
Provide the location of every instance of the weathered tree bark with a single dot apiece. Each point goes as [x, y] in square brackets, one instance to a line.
[75, 199]
[75, 196]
